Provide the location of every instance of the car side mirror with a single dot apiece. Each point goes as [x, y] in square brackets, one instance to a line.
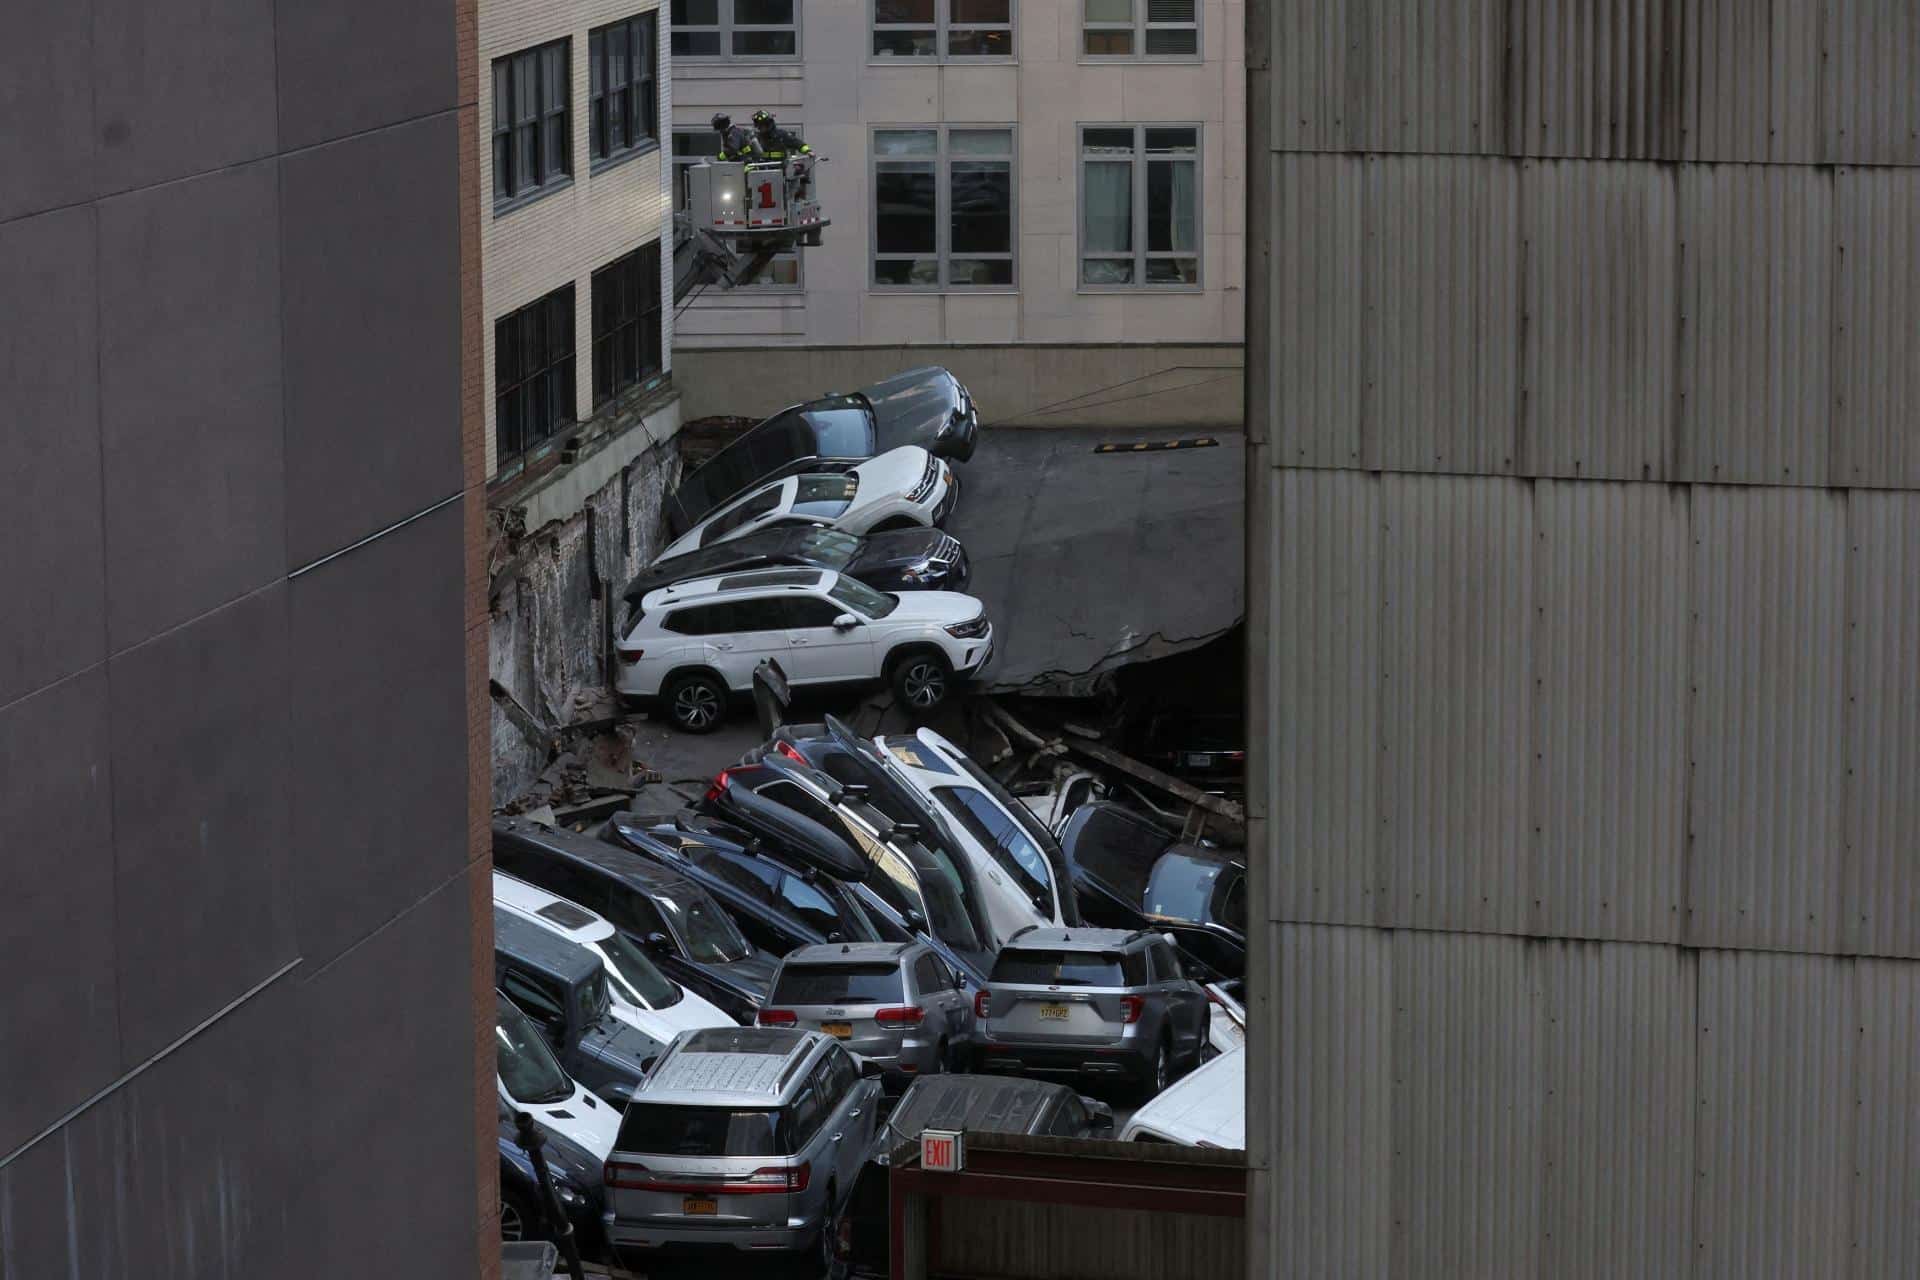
[657, 941]
[871, 1070]
[915, 920]
[1099, 1114]
[845, 622]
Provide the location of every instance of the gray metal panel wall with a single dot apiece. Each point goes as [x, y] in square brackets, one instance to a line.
[1756, 299]
[1597, 79]
[1769, 574]
[1752, 76]
[1882, 814]
[1885, 1229]
[1609, 710]
[1317, 290]
[1871, 113]
[1876, 379]
[1597, 391]
[1440, 284]
[1455, 638]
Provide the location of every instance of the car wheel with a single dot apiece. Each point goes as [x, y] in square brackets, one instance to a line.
[516, 1218]
[1162, 1071]
[697, 703]
[922, 681]
[827, 1249]
[942, 1056]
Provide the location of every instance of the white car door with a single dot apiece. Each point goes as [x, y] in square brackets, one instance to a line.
[818, 652]
[745, 632]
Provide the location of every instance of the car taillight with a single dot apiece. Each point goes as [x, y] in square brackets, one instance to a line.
[1133, 1007]
[980, 1003]
[791, 752]
[776, 1017]
[902, 1016]
[774, 1178]
[630, 656]
[719, 787]
[626, 1175]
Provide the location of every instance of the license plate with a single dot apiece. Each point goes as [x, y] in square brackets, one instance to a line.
[1053, 1013]
[1199, 760]
[699, 1204]
[839, 1030]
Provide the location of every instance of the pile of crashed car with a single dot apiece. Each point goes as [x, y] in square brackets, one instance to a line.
[727, 1017]
[813, 539]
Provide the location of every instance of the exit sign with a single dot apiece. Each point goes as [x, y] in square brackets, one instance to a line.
[942, 1150]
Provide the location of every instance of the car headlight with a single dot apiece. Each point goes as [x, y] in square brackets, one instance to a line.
[969, 630]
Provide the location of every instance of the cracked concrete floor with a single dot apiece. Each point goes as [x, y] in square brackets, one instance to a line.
[1086, 560]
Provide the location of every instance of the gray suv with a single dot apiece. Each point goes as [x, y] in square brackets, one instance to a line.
[897, 1004]
[740, 1138]
[1092, 1002]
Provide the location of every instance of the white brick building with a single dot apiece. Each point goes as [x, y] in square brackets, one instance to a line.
[576, 228]
[1045, 195]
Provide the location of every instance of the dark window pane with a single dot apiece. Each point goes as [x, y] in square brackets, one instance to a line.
[554, 77]
[695, 44]
[502, 165]
[966, 12]
[904, 201]
[980, 44]
[1182, 140]
[763, 44]
[1170, 10]
[903, 11]
[762, 13]
[980, 271]
[1173, 271]
[1107, 140]
[1170, 208]
[1106, 271]
[554, 161]
[903, 43]
[596, 62]
[1109, 44]
[698, 13]
[526, 87]
[1173, 42]
[981, 200]
[502, 94]
[922, 271]
[619, 70]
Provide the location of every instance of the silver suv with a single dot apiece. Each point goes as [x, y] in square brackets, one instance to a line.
[1092, 1002]
[897, 1004]
[740, 1138]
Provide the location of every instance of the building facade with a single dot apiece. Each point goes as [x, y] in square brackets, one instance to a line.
[1584, 512]
[245, 1026]
[576, 244]
[1046, 197]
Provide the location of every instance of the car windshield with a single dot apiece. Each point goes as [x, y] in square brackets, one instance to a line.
[838, 984]
[527, 1067]
[1004, 842]
[861, 598]
[1059, 968]
[708, 932]
[842, 432]
[1119, 851]
[668, 1130]
[1035, 829]
[638, 981]
[752, 509]
[945, 895]
[830, 548]
[824, 496]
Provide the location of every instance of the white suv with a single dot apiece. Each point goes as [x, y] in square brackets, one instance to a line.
[695, 643]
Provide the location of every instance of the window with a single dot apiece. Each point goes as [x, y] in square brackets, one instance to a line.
[943, 208]
[671, 1130]
[623, 61]
[1004, 842]
[1142, 28]
[533, 393]
[747, 512]
[812, 906]
[532, 138]
[943, 28]
[736, 28]
[626, 323]
[1140, 206]
[808, 1110]
[690, 146]
[537, 1000]
[749, 876]
[927, 976]
[841, 1073]
[810, 613]
[1069, 1119]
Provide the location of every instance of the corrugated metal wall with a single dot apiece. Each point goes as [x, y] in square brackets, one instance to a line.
[1585, 607]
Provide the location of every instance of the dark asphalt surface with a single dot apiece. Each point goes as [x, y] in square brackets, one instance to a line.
[1087, 559]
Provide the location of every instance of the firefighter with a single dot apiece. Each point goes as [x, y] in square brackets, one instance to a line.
[736, 141]
[776, 143]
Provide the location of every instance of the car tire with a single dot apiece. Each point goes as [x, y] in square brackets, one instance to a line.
[922, 681]
[695, 702]
[1160, 1074]
[517, 1219]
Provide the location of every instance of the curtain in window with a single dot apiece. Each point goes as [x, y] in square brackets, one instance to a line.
[1109, 207]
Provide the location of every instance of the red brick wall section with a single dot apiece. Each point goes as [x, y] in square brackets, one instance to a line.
[479, 756]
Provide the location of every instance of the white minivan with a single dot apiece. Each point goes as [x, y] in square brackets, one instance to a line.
[531, 1079]
[1020, 866]
[638, 993]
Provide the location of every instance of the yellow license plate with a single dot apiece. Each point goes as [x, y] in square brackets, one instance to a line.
[699, 1204]
[1054, 1012]
[842, 1030]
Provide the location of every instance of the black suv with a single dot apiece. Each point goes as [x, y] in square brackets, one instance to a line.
[1131, 873]
[682, 928]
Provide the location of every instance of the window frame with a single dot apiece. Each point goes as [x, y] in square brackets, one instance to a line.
[544, 183]
[644, 108]
[561, 302]
[649, 300]
[943, 255]
[1139, 27]
[768, 282]
[724, 27]
[1140, 253]
[941, 27]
